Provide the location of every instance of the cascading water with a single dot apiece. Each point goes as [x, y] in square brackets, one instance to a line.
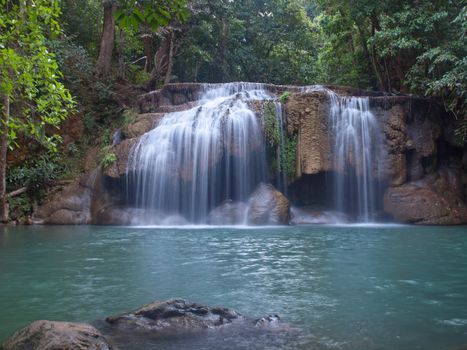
[196, 158]
[358, 152]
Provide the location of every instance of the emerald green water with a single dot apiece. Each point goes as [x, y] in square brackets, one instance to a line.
[348, 287]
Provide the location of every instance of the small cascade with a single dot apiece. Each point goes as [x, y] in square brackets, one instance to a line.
[358, 153]
[195, 159]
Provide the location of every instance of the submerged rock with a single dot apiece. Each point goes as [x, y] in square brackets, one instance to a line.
[52, 335]
[174, 315]
[268, 206]
[228, 213]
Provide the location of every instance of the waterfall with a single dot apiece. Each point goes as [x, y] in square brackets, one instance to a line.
[195, 159]
[358, 153]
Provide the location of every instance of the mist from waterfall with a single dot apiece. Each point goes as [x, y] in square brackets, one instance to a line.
[197, 158]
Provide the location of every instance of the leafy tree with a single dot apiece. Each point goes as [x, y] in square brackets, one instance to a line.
[398, 46]
[136, 14]
[274, 41]
[32, 96]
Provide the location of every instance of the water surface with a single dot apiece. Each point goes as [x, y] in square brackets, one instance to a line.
[354, 287]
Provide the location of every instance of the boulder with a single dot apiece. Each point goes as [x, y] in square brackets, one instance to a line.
[174, 315]
[70, 206]
[434, 200]
[268, 206]
[228, 213]
[52, 335]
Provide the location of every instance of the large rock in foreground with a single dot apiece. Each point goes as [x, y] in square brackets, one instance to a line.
[434, 200]
[177, 315]
[51, 335]
[268, 206]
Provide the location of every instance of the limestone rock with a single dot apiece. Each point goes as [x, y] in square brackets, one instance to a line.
[307, 114]
[122, 152]
[52, 335]
[143, 123]
[228, 213]
[177, 315]
[71, 206]
[434, 200]
[268, 206]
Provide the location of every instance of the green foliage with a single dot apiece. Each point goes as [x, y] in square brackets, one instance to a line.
[150, 13]
[128, 117]
[273, 41]
[80, 21]
[37, 173]
[20, 206]
[289, 156]
[29, 72]
[89, 122]
[271, 128]
[108, 158]
[397, 46]
[73, 61]
[286, 152]
[284, 97]
[137, 75]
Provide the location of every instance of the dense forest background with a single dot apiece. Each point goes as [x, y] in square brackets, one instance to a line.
[87, 59]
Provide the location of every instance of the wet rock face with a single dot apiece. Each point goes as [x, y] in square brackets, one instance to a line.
[307, 114]
[176, 314]
[51, 335]
[268, 206]
[434, 200]
[228, 213]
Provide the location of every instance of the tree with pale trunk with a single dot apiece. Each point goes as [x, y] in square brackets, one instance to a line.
[146, 16]
[32, 96]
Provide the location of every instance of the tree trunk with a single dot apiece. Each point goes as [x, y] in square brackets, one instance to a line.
[161, 60]
[108, 39]
[147, 38]
[3, 151]
[168, 73]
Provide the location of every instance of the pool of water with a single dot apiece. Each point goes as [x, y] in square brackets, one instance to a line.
[348, 287]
